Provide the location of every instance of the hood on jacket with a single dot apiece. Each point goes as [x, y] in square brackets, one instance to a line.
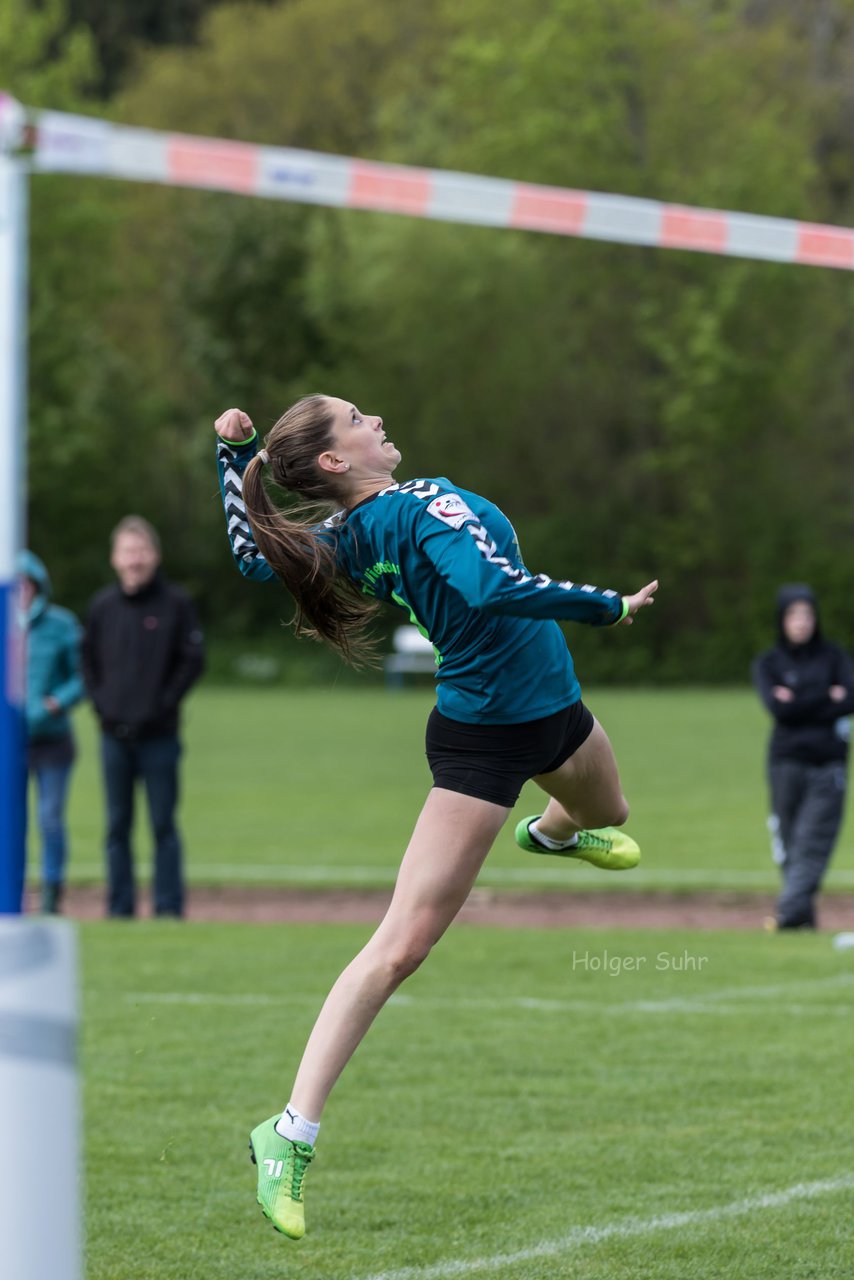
[795, 593]
[29, 566]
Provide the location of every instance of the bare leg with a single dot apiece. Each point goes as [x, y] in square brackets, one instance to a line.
[452, 837]
[585, 790]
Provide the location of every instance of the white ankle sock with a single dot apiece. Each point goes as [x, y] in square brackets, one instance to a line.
[296, 1128]
[547, 842]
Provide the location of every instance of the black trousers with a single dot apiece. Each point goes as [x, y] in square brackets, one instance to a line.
[807, 801]
[153, 761]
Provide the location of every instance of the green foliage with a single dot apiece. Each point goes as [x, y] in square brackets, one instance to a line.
[636, 412]
[45, 60]
[121, 27]
[311, 73]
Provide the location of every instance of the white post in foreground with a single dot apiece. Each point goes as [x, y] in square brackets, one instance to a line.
[39, 1152]
[13, 240]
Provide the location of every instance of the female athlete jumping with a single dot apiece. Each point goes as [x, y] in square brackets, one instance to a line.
[508, 702]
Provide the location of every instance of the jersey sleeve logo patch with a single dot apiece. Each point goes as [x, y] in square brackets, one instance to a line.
[451, 510]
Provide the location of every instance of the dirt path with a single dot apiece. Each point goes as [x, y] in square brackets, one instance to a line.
[613, 910]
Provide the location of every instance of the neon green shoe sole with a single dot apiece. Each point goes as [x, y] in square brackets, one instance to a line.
[605, 847]
[281, 1169]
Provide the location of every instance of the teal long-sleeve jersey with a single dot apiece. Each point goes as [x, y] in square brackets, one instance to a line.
[451, 559]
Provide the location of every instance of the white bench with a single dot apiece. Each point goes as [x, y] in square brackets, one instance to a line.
[413, 655]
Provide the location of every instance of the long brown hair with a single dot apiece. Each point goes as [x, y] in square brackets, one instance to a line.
[329, 606]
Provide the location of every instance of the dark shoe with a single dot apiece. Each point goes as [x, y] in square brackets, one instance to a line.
[52, 898]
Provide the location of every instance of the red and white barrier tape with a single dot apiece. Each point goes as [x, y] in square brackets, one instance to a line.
[80, 144]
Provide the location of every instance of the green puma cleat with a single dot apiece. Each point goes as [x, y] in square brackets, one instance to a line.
[281, 1169]
[605, 847]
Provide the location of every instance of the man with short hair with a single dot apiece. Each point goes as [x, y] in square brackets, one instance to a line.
[141, 653]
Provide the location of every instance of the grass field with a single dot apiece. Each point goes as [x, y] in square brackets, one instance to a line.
[533, 1105]
[320, 787]
[603, 1106]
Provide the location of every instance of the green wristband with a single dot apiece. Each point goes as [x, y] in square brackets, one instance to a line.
[623, 611]
[237, 443]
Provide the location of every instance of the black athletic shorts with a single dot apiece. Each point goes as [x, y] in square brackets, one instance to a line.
[493, 761]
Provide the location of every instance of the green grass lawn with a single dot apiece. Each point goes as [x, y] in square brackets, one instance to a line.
[320, 787]
[532, 1106]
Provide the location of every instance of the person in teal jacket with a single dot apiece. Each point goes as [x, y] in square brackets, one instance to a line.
[54, 686]
[508, 704]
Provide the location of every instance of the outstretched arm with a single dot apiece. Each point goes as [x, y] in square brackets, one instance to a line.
[467, 557]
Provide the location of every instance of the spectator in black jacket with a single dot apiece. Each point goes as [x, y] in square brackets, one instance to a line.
[141, 653]
[807, 684]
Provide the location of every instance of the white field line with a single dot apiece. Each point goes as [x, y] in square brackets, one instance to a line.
[768, 991]
[731, 1000]
[625, 1229]
[523, 1005]
[564, 874]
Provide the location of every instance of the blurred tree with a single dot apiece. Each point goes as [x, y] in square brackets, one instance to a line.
[320, 74]
[635, 411]
[121, 29]
[606, 394]
[46, 60]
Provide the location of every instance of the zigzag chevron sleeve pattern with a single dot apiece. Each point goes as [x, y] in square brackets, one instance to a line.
[231, 460]
[468, 557]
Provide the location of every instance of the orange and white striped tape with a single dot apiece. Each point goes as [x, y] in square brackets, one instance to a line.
[79, 144]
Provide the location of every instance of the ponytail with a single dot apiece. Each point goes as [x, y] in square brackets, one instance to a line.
[329, 605]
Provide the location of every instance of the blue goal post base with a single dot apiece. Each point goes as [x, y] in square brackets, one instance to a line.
[12, 758]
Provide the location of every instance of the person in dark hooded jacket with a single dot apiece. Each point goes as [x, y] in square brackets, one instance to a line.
[54, 685]
[807, 684]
